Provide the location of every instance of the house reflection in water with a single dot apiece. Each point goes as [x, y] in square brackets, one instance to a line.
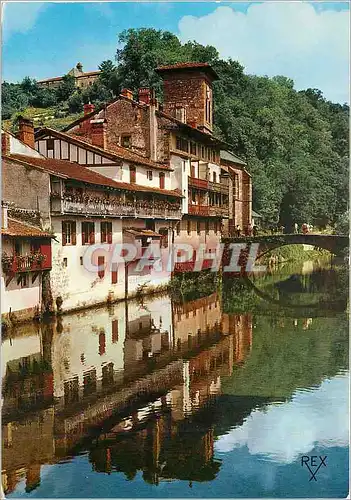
[136, 375]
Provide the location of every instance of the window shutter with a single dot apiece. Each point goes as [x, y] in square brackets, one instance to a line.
[92, 234]
[83, 233]
[109, 233]
[101, 266]
[64, 236]
[114, 273]
[74, 234]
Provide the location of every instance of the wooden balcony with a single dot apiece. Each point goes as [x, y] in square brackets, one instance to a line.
[99, 207]
[218, 188]
[222, 211]
[202, 210]
[210, 211]
[198, 183]
[36, 261]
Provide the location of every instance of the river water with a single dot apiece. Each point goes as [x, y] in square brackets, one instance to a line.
[202, 395]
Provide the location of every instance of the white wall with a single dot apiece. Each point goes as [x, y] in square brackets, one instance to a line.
[78, 286]
[179, 178]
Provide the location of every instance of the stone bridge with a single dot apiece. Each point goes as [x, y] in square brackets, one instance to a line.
[334, 243]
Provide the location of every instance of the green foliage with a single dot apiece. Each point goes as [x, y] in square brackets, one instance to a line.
[146, 48]
[75, 103]
[342, 225]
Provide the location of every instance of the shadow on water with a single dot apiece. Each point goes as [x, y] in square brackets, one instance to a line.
[136, 396]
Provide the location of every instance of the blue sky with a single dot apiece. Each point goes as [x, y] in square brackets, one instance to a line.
[307, 42]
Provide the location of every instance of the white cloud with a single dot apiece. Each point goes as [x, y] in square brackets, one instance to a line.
[281, 38]
[20, 17]
[284, 432]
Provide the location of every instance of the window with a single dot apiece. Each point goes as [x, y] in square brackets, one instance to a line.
[180, 114]
[208, 105]
[214, 177]
[89, 382]
[162, 180]
[202, 151]
[106, 232]
[213, 155]
[207, 227]
[69, 235]
[114, 273]
[132, 175]
[65, 262]
[50, 144]
[81, 260]
[189, 226]
[182, 144]
[126, 141]
[193, 148]
[101, 266]
[198, 227]
[149, 175]
[88, 233]
[178, 228]
[23, 280]
[192, 170]
[193, 196]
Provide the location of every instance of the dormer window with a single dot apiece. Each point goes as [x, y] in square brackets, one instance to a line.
[149, 175]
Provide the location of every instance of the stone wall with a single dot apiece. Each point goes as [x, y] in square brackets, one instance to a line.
[26, 188]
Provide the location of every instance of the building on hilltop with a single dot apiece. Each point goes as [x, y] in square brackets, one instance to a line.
[82, 79]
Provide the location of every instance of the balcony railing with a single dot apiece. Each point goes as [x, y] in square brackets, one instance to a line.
[38, 261]
[218, 188]
[222, 211]
[198, 209]
[145, 209]
[206, 210]
[198, 183]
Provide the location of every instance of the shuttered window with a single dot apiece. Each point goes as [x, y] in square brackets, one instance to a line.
[69, 233]
[106, 232]
[88, 233]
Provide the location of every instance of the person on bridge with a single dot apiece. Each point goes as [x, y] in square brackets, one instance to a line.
[249, 230]
[238, 231]
[296, 228]
[304, 228]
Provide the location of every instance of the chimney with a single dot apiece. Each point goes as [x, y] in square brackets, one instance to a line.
[144, 95]
[98, 132]
[127, 93]
[4, 215]
[88, 108]
[26, 131]
[5, 143]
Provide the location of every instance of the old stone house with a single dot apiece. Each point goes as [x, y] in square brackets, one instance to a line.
[178, 134]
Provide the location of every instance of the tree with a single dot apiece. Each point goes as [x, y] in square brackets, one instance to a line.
[108, 70]
[75, 103]
[66, 88]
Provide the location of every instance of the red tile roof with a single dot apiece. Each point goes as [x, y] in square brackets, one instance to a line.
[20, 228]
[64, 168]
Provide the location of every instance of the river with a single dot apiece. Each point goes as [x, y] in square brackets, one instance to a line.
[216, 394]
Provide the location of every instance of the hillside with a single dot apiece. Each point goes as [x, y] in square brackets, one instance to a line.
[296, 143]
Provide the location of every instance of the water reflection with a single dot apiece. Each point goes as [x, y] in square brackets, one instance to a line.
[160, 391]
